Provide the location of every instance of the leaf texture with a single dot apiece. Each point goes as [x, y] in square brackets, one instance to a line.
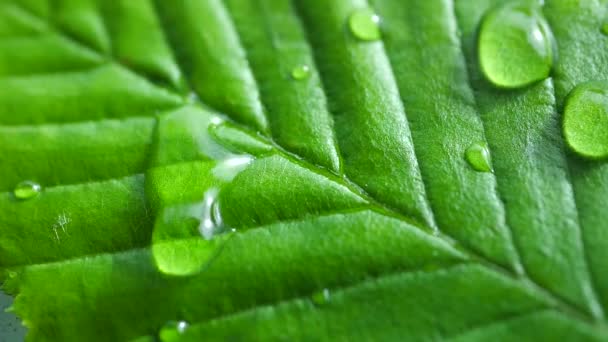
[351, 182]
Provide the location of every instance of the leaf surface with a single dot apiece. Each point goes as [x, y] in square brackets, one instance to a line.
[148, 123]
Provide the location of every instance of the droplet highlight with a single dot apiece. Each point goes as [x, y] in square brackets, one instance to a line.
[172, 331]
[516, 46]
[212, 223]
[300, 72]
[365, 24]
[188, 237]
[27, 190]
[231, 166]
[478, 157]
[585, 125]
[321, 297]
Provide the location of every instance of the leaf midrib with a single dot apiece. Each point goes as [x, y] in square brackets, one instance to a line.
[383, 209]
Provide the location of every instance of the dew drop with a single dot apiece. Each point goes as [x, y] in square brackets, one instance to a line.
[178, 247]
[26, 190]
[216, 120]
[516, 47]
[478, 156]
[321, 297]
[585, 123]
[365, 24]
[300, 72]
[188, 236]
[172, 330]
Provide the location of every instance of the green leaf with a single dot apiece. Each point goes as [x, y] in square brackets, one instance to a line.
[327, 175]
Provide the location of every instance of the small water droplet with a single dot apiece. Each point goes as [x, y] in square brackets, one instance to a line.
[216, 120]
[516, 47]
[586, 120]
[26, 190]
[321, 297]
[172, 330]
[478, 156]
[300, 72]
[365, 24]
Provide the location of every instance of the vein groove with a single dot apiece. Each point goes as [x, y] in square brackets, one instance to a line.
[85, 47]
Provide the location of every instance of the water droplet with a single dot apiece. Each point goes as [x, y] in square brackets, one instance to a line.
[172, 330]
[300, 72]
[586, 120]
[26, 190]
[216, 120]
[187, 237]
[321, 297]
[478, 156]
[365, 24]
[516, 47]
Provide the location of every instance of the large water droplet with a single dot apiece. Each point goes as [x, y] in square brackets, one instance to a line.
[321, 297]
[178, 247]
[188, 236]
[26, 190]
[478, 156]
[172, 331]
[365, 24]
[515, 45]
[300, 72]
[586, 120]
